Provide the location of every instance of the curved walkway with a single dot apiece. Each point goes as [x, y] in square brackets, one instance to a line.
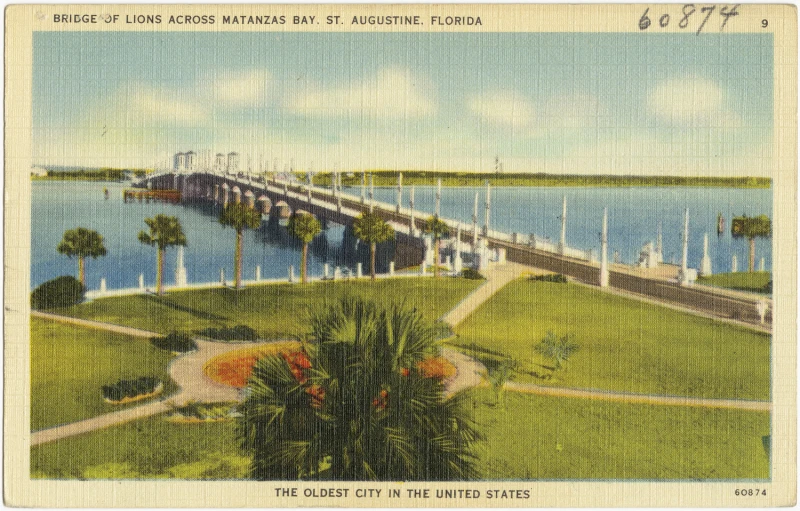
[98, 325]
[186, 371]
[195, 386]
[497, 276]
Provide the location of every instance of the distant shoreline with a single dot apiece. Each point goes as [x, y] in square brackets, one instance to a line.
[451, 179]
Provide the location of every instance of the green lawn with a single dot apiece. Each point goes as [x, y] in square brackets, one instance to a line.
[526, 437]
[536, 437]
[743, 281]
[625, 344]
[273, 310]
[146, 448]
[69, 364]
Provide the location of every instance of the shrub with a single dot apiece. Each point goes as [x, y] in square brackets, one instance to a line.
[176, 342]
[553, 277]
[767, 288]
[469, 273]
[236, 333]
[130, 388]
[60, 292]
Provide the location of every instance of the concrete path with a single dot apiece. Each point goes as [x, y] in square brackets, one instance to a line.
[497, 276]
[624, 397]
[186, 371]
[470, 373]
[98, 325]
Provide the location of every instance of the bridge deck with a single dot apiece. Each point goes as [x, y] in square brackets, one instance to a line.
[659, 283]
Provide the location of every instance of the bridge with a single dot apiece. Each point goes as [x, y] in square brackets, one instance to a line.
[663, 283]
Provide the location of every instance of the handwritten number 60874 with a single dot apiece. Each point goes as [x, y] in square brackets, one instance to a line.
[688, 17]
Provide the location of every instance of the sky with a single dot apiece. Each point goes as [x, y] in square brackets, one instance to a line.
[643, 104]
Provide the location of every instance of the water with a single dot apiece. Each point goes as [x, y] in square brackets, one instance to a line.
[634, 215]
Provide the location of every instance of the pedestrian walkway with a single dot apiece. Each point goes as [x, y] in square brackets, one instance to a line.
[186, 371]
[497, 276]
[97, 325]
[624, 397]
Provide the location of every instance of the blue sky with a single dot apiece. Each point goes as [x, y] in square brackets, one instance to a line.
[562, 103]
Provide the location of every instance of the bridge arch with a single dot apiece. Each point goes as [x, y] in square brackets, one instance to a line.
[265, 204]
[250, 199]
[284, 210]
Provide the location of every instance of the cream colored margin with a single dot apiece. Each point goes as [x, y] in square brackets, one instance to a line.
[19, 490]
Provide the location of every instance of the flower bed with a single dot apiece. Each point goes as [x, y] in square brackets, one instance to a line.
[234, 368]
[128, 391]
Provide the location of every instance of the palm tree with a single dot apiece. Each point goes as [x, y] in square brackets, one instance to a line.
[751, 228]
[557, 349]
[240, 217]
[82, 243]
[304, 226]
[353, 405]
[165, 231]
[437, 228]
[370, 228]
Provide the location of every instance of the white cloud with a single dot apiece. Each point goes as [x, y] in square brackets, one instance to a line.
[146, 106]
[691, 102]
[239, 88]
[502, 108]
[393, 93]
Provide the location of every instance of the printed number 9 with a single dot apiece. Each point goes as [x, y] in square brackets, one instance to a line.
[764, 23]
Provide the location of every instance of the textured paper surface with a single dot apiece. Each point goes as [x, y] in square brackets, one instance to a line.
[417, 106]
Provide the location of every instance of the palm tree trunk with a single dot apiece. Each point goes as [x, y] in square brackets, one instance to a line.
[81, 272]
[372, 260]
[238, 259]
[752, 265]
[160, 272]
[304, 263]
[436, 259]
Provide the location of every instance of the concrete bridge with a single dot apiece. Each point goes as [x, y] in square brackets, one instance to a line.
[657, 281]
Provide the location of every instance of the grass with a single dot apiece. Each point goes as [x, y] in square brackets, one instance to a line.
[537, 437]
[526, 437]
[625, 345]
[756, 281]
[274, 311]
[149, 448]
[69, 364]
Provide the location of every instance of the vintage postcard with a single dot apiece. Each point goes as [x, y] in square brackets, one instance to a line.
[400, 255]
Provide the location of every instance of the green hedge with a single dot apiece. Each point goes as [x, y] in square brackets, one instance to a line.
[60, 292]
[130, 388]
[469, 273]
[174, 341]
[553, 277]
[236, 333]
